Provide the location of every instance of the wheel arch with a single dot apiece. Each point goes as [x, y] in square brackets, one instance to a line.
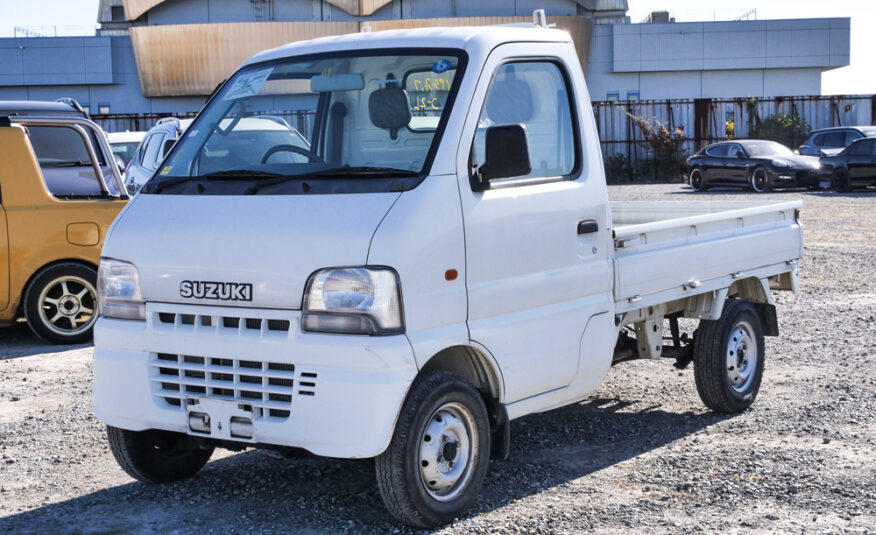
[480, 369]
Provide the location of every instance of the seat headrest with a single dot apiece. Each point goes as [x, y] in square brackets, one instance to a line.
[510, 101]
[389, 108]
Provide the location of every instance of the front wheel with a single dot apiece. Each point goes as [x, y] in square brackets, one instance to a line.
[437, 460]
[759, 180]
[155, 456]
[60, 303]
[729, 357]
[840, 182]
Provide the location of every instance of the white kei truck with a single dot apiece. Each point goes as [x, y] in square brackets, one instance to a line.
[438, 259]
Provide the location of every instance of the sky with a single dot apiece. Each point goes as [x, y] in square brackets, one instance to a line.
[77, 16]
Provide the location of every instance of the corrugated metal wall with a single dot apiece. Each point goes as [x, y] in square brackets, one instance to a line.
[190, 59]
[619, 134]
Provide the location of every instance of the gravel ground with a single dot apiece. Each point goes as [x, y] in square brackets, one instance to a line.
[641, 456]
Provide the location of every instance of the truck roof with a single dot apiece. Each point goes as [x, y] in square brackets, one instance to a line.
[470, 38]
[38, 108]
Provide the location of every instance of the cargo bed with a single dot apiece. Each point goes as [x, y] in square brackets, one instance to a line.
[670, 250]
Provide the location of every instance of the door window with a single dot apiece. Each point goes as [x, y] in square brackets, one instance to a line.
[65, 163]
[534, 94]
[834, 140]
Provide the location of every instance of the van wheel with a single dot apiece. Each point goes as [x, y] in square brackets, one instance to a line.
[60, 303]
[438, 457]
[697, 180]
[155, 456]
[760, 181]
[729, 358]
[840, 181]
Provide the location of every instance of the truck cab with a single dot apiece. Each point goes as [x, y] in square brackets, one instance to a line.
[60, 190]
[439, 259]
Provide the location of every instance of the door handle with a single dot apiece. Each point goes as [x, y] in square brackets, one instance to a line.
[588, 226]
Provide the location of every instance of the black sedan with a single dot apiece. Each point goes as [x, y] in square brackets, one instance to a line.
[756, 164]
[854, 167]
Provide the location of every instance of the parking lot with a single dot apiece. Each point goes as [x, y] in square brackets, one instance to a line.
[642, 455]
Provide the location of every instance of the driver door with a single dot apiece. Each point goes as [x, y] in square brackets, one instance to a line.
[4, 261]
[538, 264]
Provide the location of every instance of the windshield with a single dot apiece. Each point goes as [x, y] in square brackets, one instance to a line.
[369, 118]
[766, 148]
[125, 150]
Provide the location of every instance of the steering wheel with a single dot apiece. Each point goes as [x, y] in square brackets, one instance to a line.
[311, 156]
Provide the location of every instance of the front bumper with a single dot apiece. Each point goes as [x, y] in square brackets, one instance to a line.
[794, 177]
[333, 395]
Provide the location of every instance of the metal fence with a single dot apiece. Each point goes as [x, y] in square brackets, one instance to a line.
[705, 121]
[702, 121]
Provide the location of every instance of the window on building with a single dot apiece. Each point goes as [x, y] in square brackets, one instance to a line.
[612, 96]
[534, 94]
[633, 96]
[117, 13]
[103, 108]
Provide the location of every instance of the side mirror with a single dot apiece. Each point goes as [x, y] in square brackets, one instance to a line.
[506, 154]
[740, 155]
[120, 163]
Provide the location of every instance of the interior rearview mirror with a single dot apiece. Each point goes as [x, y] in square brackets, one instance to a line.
[506, 153]
[337, 82]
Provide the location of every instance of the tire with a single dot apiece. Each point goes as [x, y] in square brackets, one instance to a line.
[727, 372]
[155, 456]
[759, 180]
[443, 419]
[840, 181]
[698, 180]
[60, 303]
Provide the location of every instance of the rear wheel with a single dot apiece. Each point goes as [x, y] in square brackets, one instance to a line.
[729, 358]
[759, 180]
[436, 462]
[155, 456]
[60, 303]
[697, 180]
[841, 182]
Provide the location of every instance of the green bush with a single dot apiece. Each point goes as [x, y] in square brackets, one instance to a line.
[618, 169]
[791, 129]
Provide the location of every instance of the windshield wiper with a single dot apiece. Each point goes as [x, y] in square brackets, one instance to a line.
[80, 163]
[231, 174]
[343, 172]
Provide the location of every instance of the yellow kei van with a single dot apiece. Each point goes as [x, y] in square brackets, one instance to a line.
[60, 190]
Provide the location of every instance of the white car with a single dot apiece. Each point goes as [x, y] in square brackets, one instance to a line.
[124, 144]
[403, 290]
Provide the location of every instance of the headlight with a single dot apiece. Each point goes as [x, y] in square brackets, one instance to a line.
[353, 300]
[780, 163]
[118, 290]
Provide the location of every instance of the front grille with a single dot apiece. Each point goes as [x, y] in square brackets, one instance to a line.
[268, 387]
[224, 323]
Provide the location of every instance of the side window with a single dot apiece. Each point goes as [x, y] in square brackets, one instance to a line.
[532, 94]
[818, 140]
[64, 161]
[851, 135]
[717, 151]
[733, 149]
[149, 159]
[835, 140]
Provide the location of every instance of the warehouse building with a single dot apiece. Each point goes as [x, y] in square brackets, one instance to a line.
[166, 56]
